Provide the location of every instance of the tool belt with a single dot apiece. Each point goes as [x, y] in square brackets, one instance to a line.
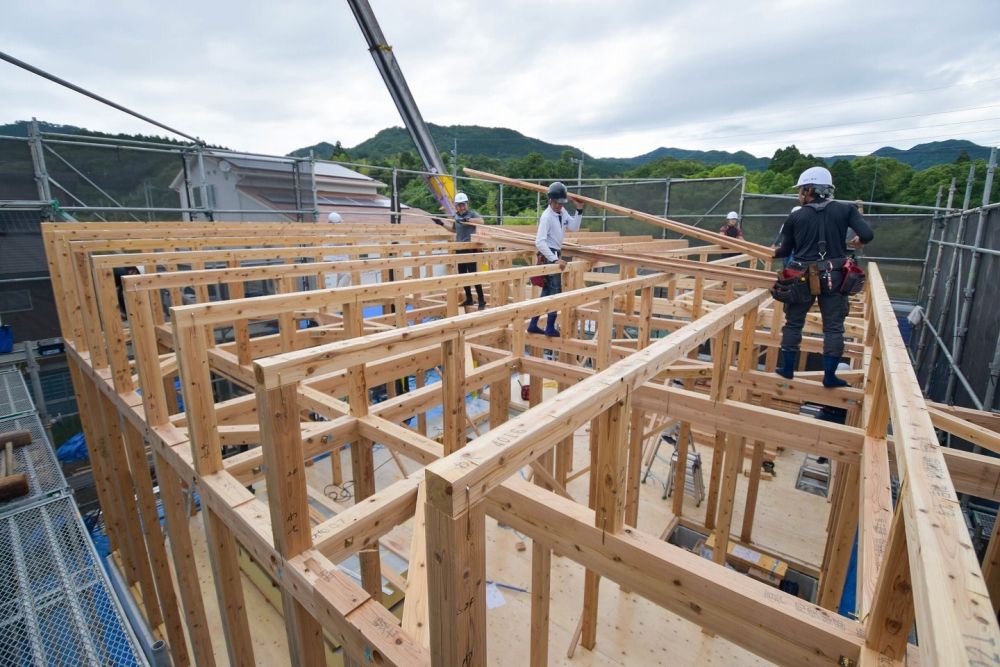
[800, 282]
[539, 281]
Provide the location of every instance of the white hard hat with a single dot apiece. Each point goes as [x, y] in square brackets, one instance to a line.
[461, 198]
[732, 215]
[334, 217]
[815, 176]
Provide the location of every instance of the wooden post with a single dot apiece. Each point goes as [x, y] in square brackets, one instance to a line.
[115, 455]
[288, 500]
[155, 550]
[192, 604]
[453, 392]
[362, 461]
[206, 450]
[456, 572]
[599, 432]
[840, 539]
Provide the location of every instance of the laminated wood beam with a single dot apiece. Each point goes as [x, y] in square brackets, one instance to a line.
[751, 614]
[728, 243]
[953, 611]
[497, 455]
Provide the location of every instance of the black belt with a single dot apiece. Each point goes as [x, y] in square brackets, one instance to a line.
[824, 264]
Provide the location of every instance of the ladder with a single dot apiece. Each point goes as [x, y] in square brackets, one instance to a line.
[814, 477]
[694, 479]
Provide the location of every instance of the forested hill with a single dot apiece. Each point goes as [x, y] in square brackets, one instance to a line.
[502, 143]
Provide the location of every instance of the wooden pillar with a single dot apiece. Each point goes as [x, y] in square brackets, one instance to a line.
[179, 532]
[142, 324]
[153, 539]
[288, 500]
[456, 572]
[206, 450]
[603, 463]
[362, 461]
[418, 381]
[840, 539]
[499, 401]
[541, 575]
[453, 393]
[734, 443]
[124, 487]
[683, 438]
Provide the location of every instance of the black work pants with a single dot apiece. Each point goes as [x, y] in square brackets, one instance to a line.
[470, 267]
[832, 307]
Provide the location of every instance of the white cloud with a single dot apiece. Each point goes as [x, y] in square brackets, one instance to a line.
[616, 79]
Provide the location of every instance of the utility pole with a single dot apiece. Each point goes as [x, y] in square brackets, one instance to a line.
[454, 161]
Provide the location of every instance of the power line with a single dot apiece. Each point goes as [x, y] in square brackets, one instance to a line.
[62, 82]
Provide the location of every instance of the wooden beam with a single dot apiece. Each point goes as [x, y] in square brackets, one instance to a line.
[954, 613]
[786, 630]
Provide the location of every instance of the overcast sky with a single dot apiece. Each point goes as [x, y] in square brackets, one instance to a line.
[616, 78]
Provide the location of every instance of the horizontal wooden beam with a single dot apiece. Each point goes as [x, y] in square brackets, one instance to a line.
[461, 479]
[768, 622]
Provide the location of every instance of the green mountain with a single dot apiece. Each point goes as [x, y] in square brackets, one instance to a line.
[922, 156]
[927, 155]
[496, 142]
[503, 144]
[751, 162]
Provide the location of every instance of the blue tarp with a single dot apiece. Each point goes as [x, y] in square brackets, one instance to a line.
[74, 449]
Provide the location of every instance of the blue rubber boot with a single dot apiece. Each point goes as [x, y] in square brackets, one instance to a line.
[789, 360]
[533, 327]
[830, 379]
[550, 326]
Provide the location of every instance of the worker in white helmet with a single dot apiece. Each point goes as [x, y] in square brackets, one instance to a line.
[732, 227]
[464, 226]
[331, 280]
[815, 235]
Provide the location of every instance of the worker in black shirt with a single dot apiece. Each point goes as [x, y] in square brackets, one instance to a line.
[815, 234]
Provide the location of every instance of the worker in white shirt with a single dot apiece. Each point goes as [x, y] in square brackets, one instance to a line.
[552, 224]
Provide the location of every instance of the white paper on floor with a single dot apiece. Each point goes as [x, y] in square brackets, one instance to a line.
[494, 598]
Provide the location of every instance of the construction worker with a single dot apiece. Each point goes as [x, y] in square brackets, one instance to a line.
[815, 235]
[464, 225]
[549, 241]
[732, 227]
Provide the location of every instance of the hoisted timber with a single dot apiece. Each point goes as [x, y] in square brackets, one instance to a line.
[303, 362]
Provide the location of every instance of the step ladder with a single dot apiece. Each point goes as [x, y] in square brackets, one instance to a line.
[814, 477]
[694, 479]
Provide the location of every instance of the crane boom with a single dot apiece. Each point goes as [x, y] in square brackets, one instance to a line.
[440, 183]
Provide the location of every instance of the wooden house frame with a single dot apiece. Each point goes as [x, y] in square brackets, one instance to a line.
[307, 393]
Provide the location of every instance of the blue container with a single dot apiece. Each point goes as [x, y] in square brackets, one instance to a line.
[6, 339]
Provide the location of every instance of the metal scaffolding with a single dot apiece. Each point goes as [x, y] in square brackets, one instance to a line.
[57, 606]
